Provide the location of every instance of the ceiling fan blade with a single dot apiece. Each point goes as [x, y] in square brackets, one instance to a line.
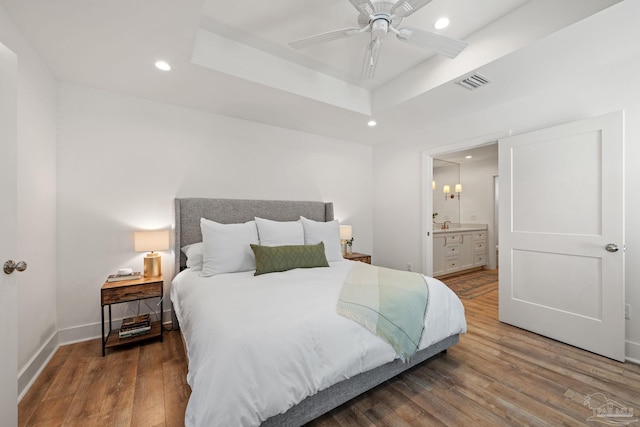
[326, 37]
[436, 42]
[365, 7]
[407, 7]
[371, 59]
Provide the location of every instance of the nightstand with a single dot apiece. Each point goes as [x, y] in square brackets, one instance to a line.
[127, 291]
[355, 256]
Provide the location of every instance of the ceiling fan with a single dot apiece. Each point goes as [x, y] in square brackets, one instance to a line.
[380, 17]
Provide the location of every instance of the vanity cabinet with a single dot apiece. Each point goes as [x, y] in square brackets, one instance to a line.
[440, 255]
[452, 252]
[458, 249]
[479, 248]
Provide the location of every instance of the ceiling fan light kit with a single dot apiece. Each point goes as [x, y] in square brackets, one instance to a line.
[380, 17]
[379, 26]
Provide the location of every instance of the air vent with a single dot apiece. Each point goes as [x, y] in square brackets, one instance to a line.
[474, 81]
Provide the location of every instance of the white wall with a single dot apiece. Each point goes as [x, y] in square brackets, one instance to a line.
[37, 99]
[476, 204]
[122, 161]
[477, 199]
[597, 90]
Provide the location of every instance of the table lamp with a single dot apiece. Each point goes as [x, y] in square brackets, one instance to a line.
[345, 234]
[151, 241]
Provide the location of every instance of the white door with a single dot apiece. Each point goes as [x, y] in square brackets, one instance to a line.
[8, 239]
[561, 204]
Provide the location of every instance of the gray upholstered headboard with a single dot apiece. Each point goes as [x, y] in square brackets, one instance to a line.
[228, 211]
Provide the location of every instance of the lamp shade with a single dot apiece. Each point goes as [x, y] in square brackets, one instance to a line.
[458, 188]
[446, 189]
[345, 232]
[149, 241]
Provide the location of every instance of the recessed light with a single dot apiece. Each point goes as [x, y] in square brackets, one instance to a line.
[441, 23]
[163, 65]
[372, 123]
[469, 157]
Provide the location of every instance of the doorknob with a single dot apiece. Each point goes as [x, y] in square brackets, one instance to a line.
[10, 265]
[612, 247]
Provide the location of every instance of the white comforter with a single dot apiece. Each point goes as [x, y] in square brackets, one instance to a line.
[259, 345]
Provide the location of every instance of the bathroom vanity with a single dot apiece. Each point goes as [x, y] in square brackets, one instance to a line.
[459, 248]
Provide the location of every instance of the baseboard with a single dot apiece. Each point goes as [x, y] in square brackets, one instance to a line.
[28, 375]
[632, 352]
[80, 333]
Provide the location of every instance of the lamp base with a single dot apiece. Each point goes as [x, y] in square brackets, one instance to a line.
[152, 265]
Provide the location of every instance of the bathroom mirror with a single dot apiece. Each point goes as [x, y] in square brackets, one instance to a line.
[446, 173]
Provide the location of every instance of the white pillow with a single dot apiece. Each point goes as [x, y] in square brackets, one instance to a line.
[194, 255]
[279, 233]
[226, 247]
[326, 232]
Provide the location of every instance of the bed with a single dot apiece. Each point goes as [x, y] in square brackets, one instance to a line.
[244, 335]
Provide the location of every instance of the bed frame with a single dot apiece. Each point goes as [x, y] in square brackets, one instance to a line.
[188, 212]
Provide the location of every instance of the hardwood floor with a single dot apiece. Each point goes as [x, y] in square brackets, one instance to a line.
[143, 385]
[497, 375]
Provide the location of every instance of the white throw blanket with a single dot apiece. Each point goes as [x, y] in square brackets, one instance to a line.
[390, 303]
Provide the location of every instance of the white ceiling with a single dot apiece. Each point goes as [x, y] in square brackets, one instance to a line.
[476, 154]
[233, 57]
[271, 25]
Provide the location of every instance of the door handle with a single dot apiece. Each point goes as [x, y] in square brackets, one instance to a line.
[10, 265]
[612, 247]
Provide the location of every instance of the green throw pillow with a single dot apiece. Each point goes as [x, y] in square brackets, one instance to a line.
[270, 259]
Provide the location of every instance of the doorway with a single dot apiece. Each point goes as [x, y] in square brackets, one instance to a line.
[474, 206]
[562, 270]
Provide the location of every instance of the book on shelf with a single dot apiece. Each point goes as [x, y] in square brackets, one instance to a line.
[134, 332]
[136, 321]
[136, 325]
[119, 277]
